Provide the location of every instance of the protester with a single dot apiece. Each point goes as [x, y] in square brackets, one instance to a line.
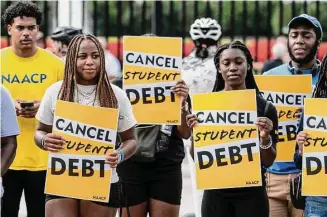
[9, 132]
[61, 37]
[314, 206]
[234, 65]
[87, 83]
[304, 38]
[112, 63]
[198, 69]
[27, 71]
[279, 50]
[154, 185]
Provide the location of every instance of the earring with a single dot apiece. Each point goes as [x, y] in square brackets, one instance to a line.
[249, 67]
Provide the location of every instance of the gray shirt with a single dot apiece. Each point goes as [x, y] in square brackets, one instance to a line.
[9, 124]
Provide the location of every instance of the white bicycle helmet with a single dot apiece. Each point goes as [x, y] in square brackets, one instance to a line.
[205, 28]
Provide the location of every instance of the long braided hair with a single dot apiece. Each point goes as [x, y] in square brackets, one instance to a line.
[249, 79]
[321, 87]
[104, 91]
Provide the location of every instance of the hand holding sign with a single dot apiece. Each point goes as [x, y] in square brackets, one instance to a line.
[181, 90]
[300, 140]
[53, 142]
[191, 120]
[265, 126]
[112, 159]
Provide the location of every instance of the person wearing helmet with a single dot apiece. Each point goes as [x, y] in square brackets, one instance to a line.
[198, 69]
[61, 37]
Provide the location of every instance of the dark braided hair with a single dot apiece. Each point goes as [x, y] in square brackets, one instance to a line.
[104, 91]
[321, 86]
[249, 79]
[21, 9]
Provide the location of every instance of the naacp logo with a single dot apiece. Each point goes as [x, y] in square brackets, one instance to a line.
[35, 78]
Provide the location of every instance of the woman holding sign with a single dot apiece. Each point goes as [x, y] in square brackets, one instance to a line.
[86, 82]
[234, 64]
[314, 206]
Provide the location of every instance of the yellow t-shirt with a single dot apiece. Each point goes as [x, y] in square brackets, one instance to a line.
[27, 79]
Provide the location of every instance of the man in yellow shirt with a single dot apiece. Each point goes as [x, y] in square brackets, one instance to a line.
[27, 71]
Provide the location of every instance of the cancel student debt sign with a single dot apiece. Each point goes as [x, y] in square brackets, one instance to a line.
[287, 94]
[226, 144]
[79, 170]
[152, 65]
[314, 168]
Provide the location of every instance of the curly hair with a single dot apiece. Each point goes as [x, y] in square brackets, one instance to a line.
[249, 79]
[21, 9]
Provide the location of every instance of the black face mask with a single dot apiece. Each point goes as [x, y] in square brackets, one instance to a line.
[312, 54]
[202, 52]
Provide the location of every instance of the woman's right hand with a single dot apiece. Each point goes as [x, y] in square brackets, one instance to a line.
[191, 120]
[53, 142]
[300, 140]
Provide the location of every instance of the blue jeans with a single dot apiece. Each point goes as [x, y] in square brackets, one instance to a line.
[316, 207]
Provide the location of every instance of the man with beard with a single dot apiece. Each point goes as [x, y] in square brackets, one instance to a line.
[304, 37]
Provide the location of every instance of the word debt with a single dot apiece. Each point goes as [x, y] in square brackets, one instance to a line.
[221, 117]
[59, 167]
[315, 165]
[284, 98]
[318, 123]
[234, 153]
[83, 130]
[150, 95]
[159, 61]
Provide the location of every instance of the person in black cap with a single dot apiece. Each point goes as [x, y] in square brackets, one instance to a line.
[61, 37]
[304, 38]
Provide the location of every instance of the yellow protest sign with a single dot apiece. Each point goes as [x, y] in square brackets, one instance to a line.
[314, 166]
[287, 94]
[226, 143]
[79, 170]
[152, 65]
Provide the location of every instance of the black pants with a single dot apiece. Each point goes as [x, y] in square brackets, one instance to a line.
[251, 202]
[14, 182]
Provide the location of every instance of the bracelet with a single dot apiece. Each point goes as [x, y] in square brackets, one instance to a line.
[265, 147]
[43, 142]
[121, 156]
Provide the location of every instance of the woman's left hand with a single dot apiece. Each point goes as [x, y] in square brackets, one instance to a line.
[181, 90]
[265, 126]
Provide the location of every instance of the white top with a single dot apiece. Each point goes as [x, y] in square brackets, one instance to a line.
[113, 67]
[199, 74]
[85, 96]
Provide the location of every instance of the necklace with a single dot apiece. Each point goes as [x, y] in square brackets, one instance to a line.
[85, 97]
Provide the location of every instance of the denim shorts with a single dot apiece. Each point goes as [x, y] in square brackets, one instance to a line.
[316, 207]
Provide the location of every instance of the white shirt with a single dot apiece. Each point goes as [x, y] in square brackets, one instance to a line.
[126, 119]
[199, 74]
[112, 65]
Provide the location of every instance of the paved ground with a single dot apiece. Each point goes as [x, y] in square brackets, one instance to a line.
[187, 205]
